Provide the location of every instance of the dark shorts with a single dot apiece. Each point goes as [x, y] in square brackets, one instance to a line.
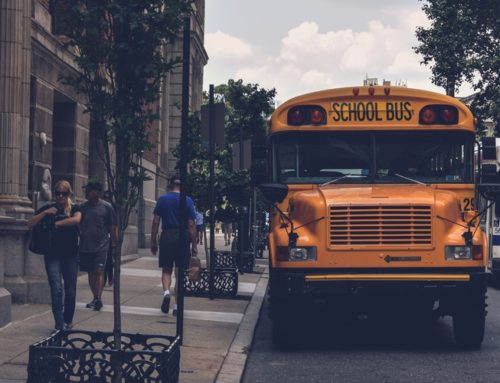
[199, 227]
[93, 261]
[170, 248]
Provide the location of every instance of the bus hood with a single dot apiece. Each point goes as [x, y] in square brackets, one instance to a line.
[378, 194]
[317, 210]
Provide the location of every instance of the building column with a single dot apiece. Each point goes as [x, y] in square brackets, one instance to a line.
[15, 47]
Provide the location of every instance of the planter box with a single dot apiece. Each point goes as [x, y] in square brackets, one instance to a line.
[225, 283]
[229, 259]
[225, 259]
[86, 356]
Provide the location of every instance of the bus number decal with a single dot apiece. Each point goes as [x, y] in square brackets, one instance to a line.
[468, 204]
[371, 111]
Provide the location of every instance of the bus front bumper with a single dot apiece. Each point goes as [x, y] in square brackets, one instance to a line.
[433, 284]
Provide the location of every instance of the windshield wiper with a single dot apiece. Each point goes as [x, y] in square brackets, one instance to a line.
[410, 179]
[341, 178]
[335, 180]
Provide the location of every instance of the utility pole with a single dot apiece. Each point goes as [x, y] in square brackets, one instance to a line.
[183, 175]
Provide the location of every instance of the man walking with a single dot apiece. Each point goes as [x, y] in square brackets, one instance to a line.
[98, 232]
[167, 210]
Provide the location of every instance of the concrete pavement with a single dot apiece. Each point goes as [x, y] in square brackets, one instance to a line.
[217, 333]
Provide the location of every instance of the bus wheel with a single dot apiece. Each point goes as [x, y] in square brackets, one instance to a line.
[469, 322]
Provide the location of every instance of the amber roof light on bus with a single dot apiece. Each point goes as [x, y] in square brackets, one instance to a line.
[306, 115]
[438, 115]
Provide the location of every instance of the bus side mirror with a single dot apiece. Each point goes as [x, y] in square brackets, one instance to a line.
[258, 170]
[274, 192]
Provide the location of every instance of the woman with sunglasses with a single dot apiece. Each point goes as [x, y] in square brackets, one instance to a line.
[61, 262]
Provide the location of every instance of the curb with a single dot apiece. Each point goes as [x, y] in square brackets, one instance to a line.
[234, 363]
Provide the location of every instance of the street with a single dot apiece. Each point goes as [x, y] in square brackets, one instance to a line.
[377, 352]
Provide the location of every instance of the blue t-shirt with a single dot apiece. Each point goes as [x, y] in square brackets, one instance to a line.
[167, 207]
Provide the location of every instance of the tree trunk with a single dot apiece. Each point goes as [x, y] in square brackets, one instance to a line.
[450, 87]
[117, 327]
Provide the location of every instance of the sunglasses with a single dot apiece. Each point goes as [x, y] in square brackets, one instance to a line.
[62, 194]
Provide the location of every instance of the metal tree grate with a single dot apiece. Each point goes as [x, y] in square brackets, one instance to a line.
[86, 356]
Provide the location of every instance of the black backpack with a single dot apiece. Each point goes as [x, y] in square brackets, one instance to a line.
[41, 236]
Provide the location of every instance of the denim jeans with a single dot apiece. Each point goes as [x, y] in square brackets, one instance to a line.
[62, 270]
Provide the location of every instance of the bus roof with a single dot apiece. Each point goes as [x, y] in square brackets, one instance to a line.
[373, 108]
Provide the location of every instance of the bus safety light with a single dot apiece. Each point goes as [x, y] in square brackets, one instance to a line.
[306, 115]
[371, 91]
[317, 116]
[477, 252]
[282, 253]
[449, 115]
[296, 117]
[438, 115]
[427, 115]
[355, 91]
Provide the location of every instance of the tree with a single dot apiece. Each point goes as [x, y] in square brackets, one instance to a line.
[463, 44]
[447, 44]
[120, 51]
[247, 106]
[486, 61]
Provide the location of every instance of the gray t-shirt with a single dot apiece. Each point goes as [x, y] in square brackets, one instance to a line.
[94, 226]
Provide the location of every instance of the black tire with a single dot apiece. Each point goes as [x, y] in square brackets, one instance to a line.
[469, 322]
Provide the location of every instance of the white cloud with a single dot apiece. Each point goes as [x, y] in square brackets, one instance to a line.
[310, 59]
[406, 62]
[314, 78]
[220, 45]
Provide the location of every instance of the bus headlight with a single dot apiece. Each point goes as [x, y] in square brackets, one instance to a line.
[302, 253]
[458, 252]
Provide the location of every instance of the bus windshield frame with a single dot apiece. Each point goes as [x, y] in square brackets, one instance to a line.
[373, 157]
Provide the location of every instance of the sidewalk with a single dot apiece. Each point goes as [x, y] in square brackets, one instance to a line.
[217, 333]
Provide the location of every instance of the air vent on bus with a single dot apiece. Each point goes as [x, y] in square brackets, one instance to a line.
[380, 225]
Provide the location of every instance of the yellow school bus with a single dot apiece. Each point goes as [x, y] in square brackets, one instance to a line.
[374, 210]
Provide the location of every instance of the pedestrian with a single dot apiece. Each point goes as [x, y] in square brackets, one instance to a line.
[98, 232]
[61, 261]
[199, 226]
[110, 262]
[226, 217]
[167, 211]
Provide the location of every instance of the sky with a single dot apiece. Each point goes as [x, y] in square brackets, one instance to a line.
[300, 46]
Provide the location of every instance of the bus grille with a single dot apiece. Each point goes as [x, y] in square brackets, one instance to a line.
[382, 225]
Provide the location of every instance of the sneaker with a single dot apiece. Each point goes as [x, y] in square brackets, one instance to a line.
[57, 329]
[68, 326]
[110, 282]
[91, 304]
[165, 304]
[174, 312]
[97, 305]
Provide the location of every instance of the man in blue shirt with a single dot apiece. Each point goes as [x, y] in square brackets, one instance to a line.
[167, 210]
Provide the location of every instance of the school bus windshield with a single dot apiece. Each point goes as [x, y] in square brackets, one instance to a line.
[373, 157]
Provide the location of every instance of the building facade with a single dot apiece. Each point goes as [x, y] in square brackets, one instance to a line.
[45, 136]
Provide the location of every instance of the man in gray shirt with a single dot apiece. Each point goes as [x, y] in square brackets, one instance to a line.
[97, 228]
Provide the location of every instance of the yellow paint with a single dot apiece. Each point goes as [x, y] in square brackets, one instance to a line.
[388, 277]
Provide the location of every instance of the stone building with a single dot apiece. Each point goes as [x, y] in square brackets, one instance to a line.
[46, 136]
